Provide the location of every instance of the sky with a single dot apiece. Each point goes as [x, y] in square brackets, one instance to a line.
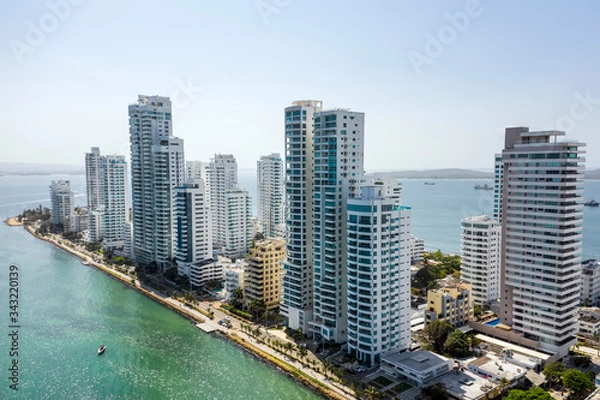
[438, 81]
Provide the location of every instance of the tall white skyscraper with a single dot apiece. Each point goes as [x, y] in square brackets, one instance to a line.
[114, 191]
[197, 170]
[270, 195]
[238, 232]
[481, 239]
[157, 167]
[297, 300]
[63, 205]
[542, 220]
[338, 146]
[94, 179]
[498, 186]
[378, 255]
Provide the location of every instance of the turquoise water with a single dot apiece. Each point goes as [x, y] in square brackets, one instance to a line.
[493, 322]
[67, 310]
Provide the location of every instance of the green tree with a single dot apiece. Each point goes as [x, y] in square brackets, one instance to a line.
[435, 335]
[456, 345]
[577, 382]
[531, 394]
[554, 371]
[371, 393]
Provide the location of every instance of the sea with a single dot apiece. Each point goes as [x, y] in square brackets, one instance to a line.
[66, 310]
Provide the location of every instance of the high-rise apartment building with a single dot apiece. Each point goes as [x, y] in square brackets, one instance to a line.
[338, 145]
[262, 275]
[270, 195]
[63, 205]
[498, 187]
[542, 220]
[114, 193]
[379, 255]
[480, 258]
[238, 224]
[297, 299]
[157, 167]
[94, 179]
[222, 178]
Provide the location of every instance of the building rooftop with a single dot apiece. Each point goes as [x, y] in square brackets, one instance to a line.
[418, 361]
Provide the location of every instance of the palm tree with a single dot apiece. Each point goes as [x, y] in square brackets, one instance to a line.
[504, 382]
[371, 393]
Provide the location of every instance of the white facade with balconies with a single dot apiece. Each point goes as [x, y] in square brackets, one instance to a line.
[480, 258]
[270, 194]
[378, 288]
[542, 221]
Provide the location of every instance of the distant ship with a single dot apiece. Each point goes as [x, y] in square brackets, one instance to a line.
[430, 183]
[484, 187]
[591, 203]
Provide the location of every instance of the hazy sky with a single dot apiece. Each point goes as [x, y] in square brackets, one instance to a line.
[438, 80]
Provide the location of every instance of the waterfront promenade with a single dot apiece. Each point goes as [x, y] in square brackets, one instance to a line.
[235, 333]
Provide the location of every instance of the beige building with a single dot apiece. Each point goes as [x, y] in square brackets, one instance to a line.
[451, 304]
[262, 277]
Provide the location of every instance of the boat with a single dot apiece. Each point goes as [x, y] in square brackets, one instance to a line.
[591, 203]
[430, 183]
[482, 187]
[101, 349]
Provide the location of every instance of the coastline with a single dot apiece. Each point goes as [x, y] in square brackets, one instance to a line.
[12, 221]
[197, 316]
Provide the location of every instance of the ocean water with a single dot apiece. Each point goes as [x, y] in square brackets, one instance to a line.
[66, 310]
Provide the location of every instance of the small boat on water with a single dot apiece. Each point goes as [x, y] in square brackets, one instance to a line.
[101, 349]
[430, 183]
[591, 203]
[482, 187]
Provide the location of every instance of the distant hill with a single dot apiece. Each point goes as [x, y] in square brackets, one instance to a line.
[446, 173]
[7, 168]
[592, 174]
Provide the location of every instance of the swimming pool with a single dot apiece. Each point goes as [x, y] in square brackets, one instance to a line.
[493, 322]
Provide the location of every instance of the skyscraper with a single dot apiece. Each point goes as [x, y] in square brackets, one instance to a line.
[297, 300]
[379, 255]
[270, 195]
[94, 179]
[157, 167]
[480, 257]
[542, 219]
[114, 193]
[61, 197]
[338, 146]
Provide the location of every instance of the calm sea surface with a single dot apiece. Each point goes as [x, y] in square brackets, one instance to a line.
[66, 310]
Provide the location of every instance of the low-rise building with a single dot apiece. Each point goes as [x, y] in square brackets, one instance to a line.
[205, 271]
[590, 283]
[77, 222]
[419, 368]
[588, 323]
[233, 274]
[496, 368]
[417, 249]
[451, 304]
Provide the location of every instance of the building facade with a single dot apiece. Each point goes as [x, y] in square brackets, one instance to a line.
[378, 289]
[451, 304]
[114, 203]
[297, 300]
[590, 283]
[480, 258]
[270, 195]
[542, 220]
[157, 167]
[94, 179]
[262, 275]
[62, 201]
[338, 165]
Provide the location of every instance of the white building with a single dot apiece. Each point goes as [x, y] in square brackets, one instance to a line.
[157, 167]
[231, 212]
[77, 222]
[197, 170]
[233, 274]
[590, 283]
[94, 179]
[378, 274]
[61, 197]
[338, 147]
[542, 220]
[498, 187]
[588, 323]
[418, 367]
[128, 240]
[480, 258]
[297, 301]
[114, 190]
[417, 249]
[270, 194]
[95, 226]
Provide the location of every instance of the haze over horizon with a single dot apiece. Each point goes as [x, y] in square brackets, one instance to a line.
[438, 82]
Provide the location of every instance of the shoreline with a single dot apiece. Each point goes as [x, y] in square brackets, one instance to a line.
[12, 221]
[184, 310]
